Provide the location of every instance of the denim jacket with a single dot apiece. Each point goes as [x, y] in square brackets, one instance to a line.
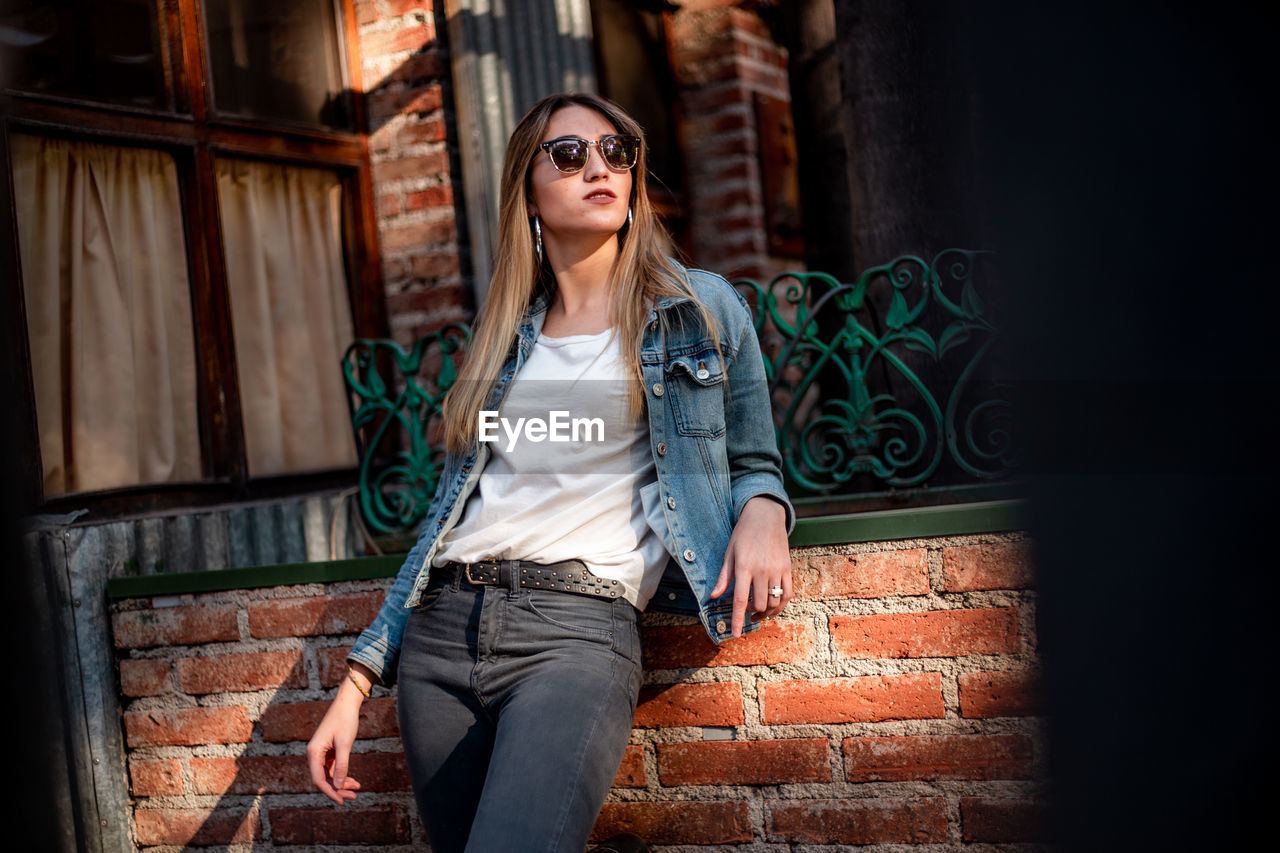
[713, 448]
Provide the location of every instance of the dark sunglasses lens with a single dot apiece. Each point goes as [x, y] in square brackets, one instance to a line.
[569, 155]
[619, 151]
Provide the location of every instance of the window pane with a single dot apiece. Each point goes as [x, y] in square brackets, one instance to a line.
[290, 314]
[108, 305]
[106, 50]
[277, 61]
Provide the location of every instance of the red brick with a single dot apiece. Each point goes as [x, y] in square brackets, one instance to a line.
[916, 696]
[937, 633]
[1010, 693]
[433, 265]
[388, 102]
[861, 821]
[763, 762]
[378, 44]
[437, 196]
[725, 199]
[348, 825]
[423, 166]
[144, 677]
[301, 617]
[631, 773]
[333, 665]
[174, 626]
[430, 129]
[998, 820]
[298, 720]
[423, 66]
[401, 7]
[366, 11]
[872, 575]
[236, 673]
[196, 827]
[388, 206]
[418, 235]
[700, 101]
[680, 646]
[664, 705]
[188, 726]
[155, 778]
[428, 298]
[289, 774]
[899, 759]
[676, 823]
[1005, 565]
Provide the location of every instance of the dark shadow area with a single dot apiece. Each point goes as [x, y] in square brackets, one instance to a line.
[1133, 184]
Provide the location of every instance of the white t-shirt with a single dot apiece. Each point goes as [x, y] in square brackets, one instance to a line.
[550, 500]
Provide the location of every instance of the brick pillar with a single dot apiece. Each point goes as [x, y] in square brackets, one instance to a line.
[406, 74]
[723, 55]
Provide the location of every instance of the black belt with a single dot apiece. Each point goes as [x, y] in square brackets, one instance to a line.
[568, 576]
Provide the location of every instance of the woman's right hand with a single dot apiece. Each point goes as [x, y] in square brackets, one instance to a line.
[330, 747]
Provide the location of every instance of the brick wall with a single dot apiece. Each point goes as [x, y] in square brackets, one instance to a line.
[894, 703]
[722, 54]
[406, 78]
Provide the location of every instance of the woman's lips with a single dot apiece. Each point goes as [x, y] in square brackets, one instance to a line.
[599, 196]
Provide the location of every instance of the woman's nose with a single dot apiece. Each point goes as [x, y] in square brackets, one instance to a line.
[595, 163]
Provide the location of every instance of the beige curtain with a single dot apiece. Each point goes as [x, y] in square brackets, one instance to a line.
[104, 275]
[290, 315]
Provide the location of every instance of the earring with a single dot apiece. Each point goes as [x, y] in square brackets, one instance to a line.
[537, 238]
[628, 217]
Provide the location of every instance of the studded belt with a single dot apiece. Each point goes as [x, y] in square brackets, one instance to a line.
[568, 576]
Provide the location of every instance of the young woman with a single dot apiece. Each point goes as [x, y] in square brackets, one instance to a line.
[512, 625]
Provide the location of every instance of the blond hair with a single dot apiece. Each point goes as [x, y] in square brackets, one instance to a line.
[642, 273]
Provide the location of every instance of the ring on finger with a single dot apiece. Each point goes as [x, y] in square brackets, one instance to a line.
[775, 592]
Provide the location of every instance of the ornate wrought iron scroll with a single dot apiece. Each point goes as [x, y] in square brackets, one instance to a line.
[395, 400]
[880, 385]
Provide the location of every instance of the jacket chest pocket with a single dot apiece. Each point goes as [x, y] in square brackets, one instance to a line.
[697, 386]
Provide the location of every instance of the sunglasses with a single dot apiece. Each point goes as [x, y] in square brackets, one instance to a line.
[569, 154]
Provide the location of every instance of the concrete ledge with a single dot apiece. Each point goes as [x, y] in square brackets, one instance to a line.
[876, 526]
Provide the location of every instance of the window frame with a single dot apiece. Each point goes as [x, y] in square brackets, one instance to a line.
[195, 134]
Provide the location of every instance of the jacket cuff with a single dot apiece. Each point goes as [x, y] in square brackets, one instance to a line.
[750, 486]
[379, 658]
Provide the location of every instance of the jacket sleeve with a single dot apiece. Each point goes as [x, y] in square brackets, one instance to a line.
[755, 465]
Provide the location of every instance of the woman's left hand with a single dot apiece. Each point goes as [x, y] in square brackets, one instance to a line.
[758, 558]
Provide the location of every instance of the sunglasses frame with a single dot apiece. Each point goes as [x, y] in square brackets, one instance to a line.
[546, 146]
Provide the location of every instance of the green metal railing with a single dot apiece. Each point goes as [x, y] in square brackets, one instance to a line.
[395, 400]
[878, 388]
[871, 397]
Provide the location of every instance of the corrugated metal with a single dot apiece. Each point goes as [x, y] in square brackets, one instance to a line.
[508, 55]
[74, 559]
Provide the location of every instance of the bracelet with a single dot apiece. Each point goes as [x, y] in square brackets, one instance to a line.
[363, 692]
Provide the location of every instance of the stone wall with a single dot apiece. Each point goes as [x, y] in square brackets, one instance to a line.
[893, 703]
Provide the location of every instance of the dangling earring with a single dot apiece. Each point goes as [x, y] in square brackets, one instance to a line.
[628, 217]
[537, 238]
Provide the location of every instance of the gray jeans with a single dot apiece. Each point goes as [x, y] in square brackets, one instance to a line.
[515, 707]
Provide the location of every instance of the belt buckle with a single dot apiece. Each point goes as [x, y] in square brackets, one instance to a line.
[473, 581]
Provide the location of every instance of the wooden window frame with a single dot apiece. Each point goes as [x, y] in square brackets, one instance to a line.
[194, 134]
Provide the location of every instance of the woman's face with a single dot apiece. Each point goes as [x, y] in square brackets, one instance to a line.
[591, 201]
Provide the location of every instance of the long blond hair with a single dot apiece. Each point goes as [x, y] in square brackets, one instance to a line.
[642, 273]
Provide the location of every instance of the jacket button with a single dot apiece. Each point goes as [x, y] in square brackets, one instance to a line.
[720, 627]
[689, 555]
[671, 503]
[671, 596]
[662, 448]
[657, 389]
[703, 373]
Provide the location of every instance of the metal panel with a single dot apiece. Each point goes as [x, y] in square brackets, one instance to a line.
[73, 562]
[506, 57]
